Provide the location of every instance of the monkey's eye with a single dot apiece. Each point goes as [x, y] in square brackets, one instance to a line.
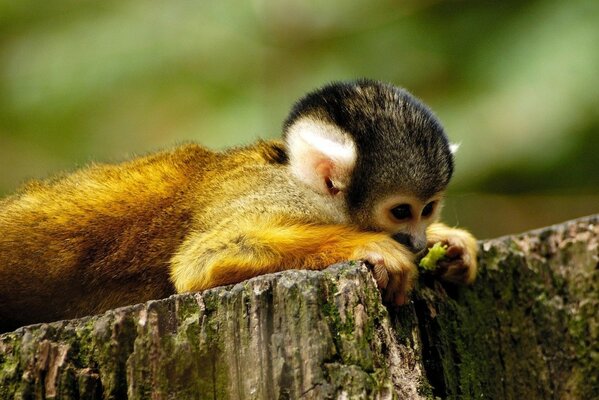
[428, 209]
[401, 211]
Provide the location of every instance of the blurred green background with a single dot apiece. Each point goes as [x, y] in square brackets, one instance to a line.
[515, 82]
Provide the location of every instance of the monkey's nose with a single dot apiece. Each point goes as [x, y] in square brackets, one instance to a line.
[413, 244]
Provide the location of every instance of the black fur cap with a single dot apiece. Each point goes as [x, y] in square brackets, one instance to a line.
[401, 145]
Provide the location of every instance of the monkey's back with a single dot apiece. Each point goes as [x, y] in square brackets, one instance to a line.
[105, 236]
[96, 239]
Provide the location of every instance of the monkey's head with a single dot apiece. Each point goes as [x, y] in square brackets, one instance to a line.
[376, 151]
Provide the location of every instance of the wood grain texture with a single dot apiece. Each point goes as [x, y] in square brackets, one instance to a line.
[527, 328]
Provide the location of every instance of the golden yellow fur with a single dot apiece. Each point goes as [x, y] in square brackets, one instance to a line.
[256, 246]
[364, 185]
[112, 235]
[96, 239]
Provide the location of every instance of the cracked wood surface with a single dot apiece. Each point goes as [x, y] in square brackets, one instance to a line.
[528, 328]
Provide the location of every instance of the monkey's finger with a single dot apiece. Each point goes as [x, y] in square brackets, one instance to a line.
[397, 290]
[401, 297]
[380, 275]
[454, 251]
[443, 266]
[457, 272]
[393, 288]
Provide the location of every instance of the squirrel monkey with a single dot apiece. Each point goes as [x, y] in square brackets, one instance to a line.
[360, 174]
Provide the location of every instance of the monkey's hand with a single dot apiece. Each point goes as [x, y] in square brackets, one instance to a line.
[459, 263]
[393, 268]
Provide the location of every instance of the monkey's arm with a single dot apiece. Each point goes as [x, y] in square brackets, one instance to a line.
[460, 266]
[238, 250]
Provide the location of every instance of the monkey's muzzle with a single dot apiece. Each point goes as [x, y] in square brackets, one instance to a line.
[414, 244]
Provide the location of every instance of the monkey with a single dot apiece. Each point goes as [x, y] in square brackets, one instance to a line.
[359, 174]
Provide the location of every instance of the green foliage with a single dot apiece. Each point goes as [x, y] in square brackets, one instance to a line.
[435, 253]
[515, 82]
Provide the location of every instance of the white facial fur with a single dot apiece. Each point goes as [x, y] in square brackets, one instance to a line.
[415, 225]
[319, 151]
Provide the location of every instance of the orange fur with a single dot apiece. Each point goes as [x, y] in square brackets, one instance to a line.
[111, 235]
[258, 246]
[97, 239]
[362, 169]
[181, 220]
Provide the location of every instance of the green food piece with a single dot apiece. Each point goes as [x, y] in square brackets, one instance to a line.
[435, 253]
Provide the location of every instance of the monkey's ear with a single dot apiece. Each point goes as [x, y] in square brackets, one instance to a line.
[454, 147]
[320, 155]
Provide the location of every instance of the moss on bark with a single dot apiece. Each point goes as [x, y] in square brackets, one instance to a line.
[528, 328]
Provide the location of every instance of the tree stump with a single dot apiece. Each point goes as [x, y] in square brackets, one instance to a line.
[528, 328]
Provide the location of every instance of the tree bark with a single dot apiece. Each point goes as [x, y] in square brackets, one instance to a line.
[528, 328]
